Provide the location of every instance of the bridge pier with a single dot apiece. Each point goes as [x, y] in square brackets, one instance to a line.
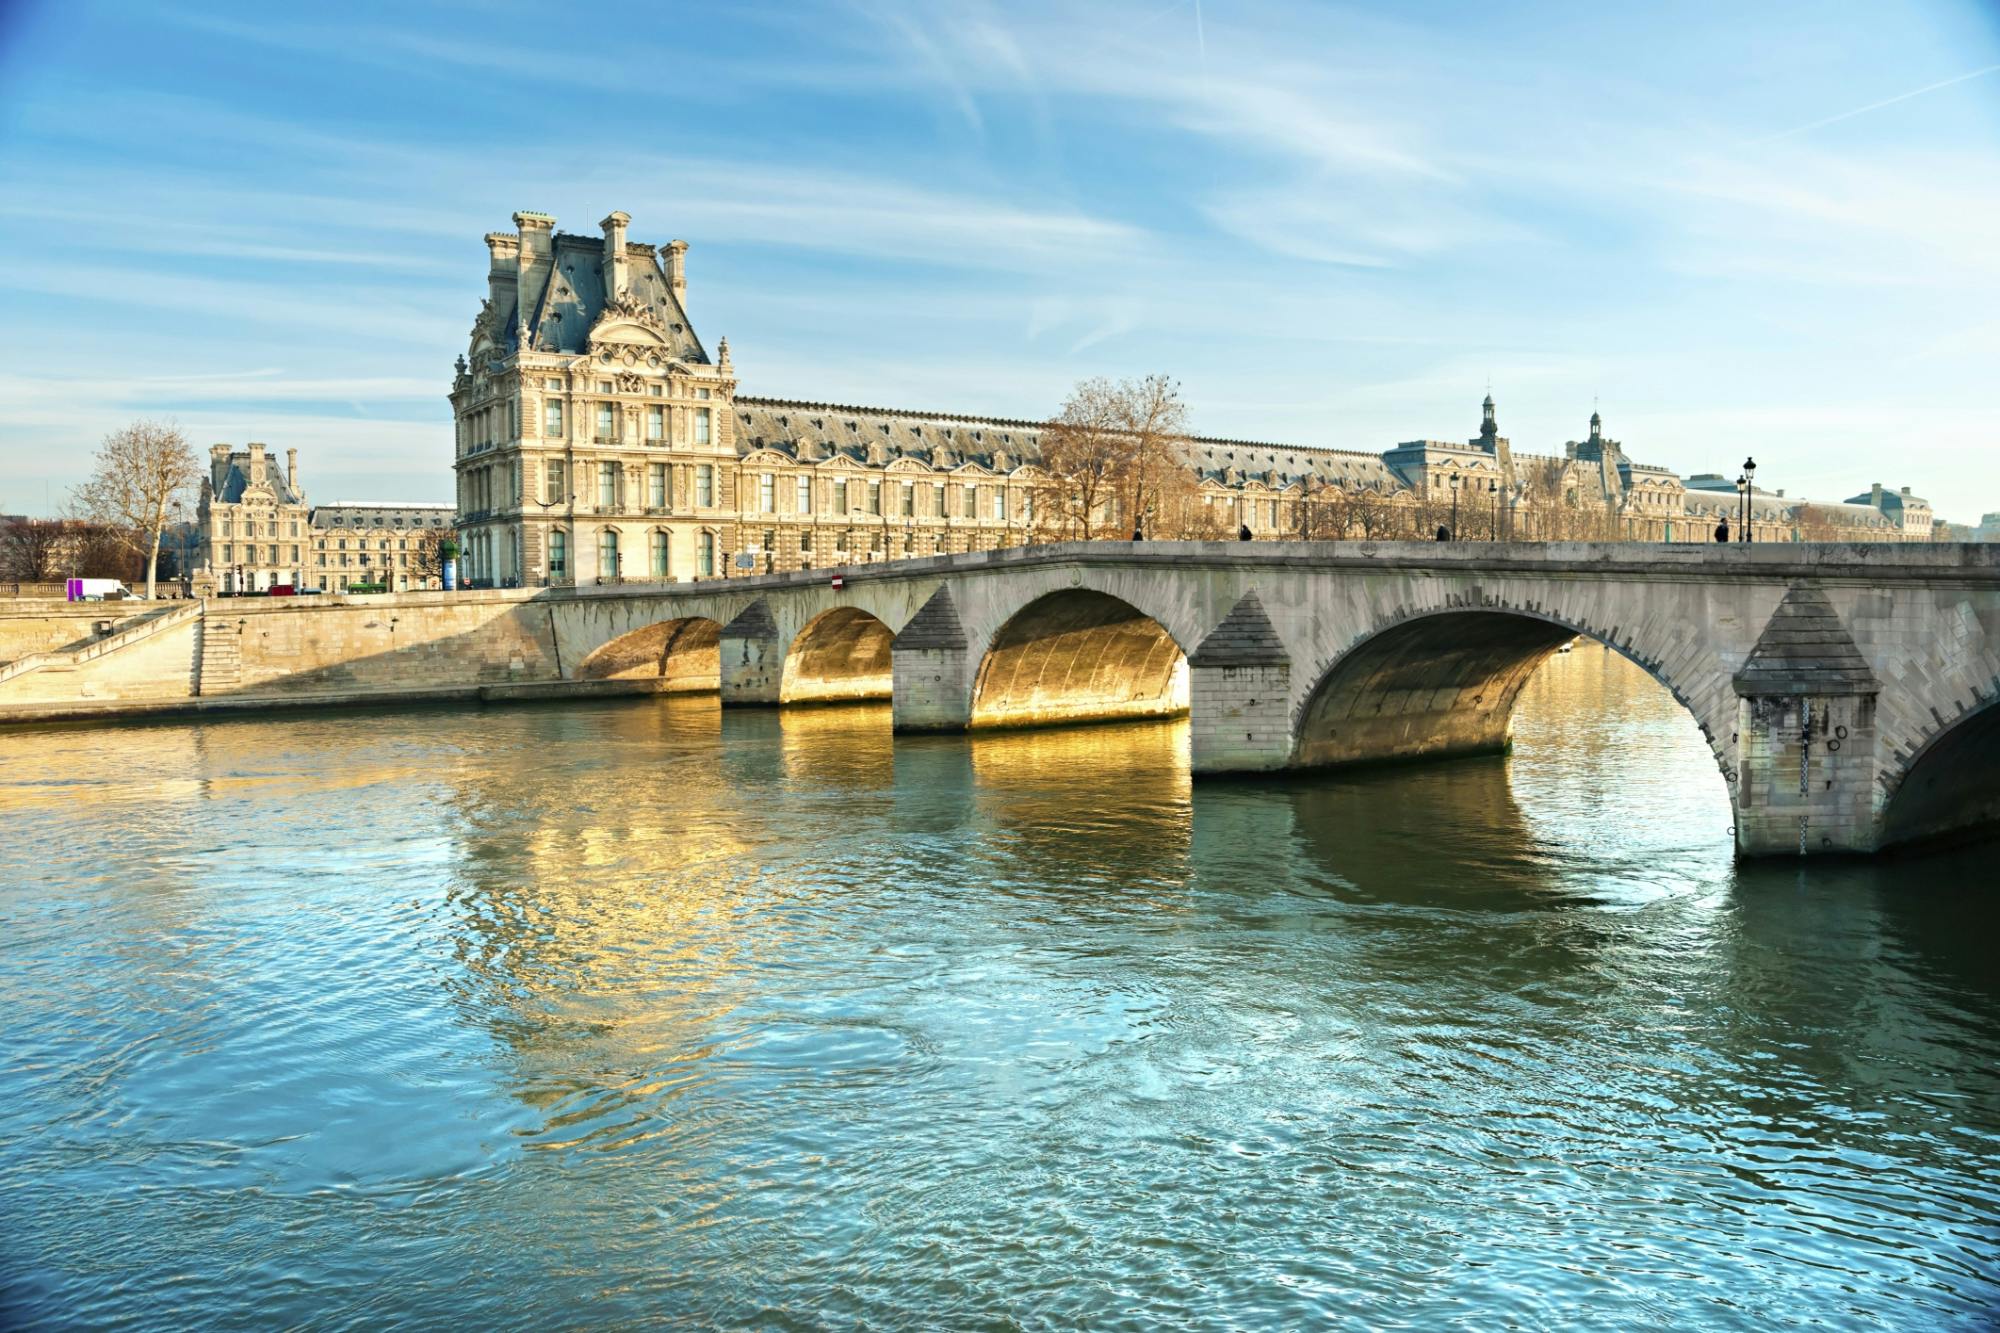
[752, 659]
[931, 681]
[1239, 692]
[1805, 735]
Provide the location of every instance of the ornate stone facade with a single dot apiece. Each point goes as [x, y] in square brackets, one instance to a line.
[255, 531]
[598, 440]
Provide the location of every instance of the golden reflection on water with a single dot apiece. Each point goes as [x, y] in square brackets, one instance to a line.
[644, 1011]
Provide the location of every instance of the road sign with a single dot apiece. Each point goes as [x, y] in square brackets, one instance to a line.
[839, 582]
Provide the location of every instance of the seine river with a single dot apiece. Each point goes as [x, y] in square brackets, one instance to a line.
[633, 1012]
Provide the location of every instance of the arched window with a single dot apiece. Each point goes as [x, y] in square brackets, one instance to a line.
[607, 554]
[659, 554]
[707, 553]
[558, 554]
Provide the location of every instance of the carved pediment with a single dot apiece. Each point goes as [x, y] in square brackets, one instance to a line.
[907, 465]
[628, 322]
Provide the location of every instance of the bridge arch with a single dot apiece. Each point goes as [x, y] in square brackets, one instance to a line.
[1078, 655]
[1443, 681]
[1950, 785]
[839, 656]
[682, 653]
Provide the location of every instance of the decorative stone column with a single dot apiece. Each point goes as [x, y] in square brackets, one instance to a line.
[752, 658]
[1805, 735]
[932, 688]
[1239, 685]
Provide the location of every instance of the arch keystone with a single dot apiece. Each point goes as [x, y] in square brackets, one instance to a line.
[1239, 682]
[930, 684]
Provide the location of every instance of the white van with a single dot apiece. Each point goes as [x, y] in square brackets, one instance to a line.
[99, 590]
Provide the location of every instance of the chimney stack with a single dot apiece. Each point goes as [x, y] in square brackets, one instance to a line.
[535, 240]
[616, 277]
[1875, 495]
[218, 466]
[1906, 490]
[292, 473]
[256, 462]
[676, 267]
[503, 253]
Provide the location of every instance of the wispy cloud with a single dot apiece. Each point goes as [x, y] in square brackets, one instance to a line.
[1875, 106]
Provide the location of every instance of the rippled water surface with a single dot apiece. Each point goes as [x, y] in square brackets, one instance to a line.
[634, 1012]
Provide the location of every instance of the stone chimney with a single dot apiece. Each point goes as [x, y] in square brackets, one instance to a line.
[676, 267]
[503, 253]
[616, 274]
[292, 473]
[535, 238]
[218, 466]
[1906, 490]
[1875, 495]
[256, 469]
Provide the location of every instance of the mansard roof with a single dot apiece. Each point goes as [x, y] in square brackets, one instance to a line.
[878, 436]
[569, 306]
[236, 482]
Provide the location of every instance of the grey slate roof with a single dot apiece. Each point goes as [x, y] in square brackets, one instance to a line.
[936, 625]
[564, 312]
[1244, 638]
[1805, 650]
[875, 436]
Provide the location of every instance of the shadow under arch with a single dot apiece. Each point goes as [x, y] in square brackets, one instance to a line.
[839, 656]
[1077, 655]
[1440, 684]
[684, 654]
[1950, 788]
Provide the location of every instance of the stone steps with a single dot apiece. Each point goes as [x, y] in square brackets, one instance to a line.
[219, 659]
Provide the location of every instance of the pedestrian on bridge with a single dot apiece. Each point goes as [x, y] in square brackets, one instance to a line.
[1243, 533]
[1722, 529]
[1444, 533]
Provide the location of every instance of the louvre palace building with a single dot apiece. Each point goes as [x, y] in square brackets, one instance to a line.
[599, 438]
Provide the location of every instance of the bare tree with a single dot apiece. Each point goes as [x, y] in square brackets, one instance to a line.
[1083, 458]
[31, 549]
[142, 480]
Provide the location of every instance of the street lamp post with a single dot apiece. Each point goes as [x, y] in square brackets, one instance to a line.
[545, 506]
[1493, 489]
[1454, 506]
[1749, 495]
[1742, 506]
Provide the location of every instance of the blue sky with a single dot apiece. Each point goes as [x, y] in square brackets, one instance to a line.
[1768, 229]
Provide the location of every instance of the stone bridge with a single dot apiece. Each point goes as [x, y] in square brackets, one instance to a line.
[1845, 691]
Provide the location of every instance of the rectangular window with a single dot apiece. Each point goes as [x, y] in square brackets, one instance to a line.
[971, 506]
[558, 554]
[1000, 502]
[606, 422]
[604, 386]
[803, 501]
[607, 487]
[655, 390]
[656, 422]
[226, 525]
[909, 498]
[656, 485]
[228, 552]
[552, 482]
[938, 506]
[767, 493]
[840, 496]
[295, 555]
[552, 420]
[708, 553]
[874, 497]
[704, 486]
[701, 393]
[701, 425]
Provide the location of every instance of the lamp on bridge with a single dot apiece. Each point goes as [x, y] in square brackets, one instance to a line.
[1749, 494]
[1493, 489]
[1454, 506]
